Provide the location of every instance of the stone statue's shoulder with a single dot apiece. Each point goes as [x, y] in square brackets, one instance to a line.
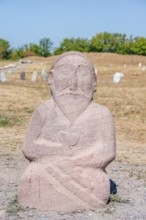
[44, 109]
[45, 106]
[102, 110]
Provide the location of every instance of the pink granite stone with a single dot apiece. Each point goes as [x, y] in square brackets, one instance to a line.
[69, 142]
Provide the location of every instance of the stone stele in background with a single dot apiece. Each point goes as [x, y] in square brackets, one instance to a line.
[22, 75]
[34, 76]
[69, 142]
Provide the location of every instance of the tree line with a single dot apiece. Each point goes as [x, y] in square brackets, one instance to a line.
[101, 42]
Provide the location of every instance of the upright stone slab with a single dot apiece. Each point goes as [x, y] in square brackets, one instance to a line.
[34, 76]
[3, 77]
[44, 75]
[22, 75]
[69, 142]
[117, 77]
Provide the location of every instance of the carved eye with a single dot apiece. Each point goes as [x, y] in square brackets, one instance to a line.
[62, 77]
[84, 79]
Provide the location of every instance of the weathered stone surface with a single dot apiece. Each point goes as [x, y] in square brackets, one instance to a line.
[34, 76]
[69, 142]
[22, 75]
[44, 75]
[3, 77]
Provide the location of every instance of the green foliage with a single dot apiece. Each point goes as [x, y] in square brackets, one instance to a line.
[107, 42]
[101, 42]
[43, 49]
[4, 46]
[13, 206]
[116, 198]
[139, 46]
[6, 122]
[16, 54]
[124, 48]
[34, 48]
[45, 46]
[74, 44]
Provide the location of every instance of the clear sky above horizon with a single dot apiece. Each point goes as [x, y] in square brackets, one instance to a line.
[28, 21]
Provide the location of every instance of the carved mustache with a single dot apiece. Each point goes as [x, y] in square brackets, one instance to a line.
[74, 93]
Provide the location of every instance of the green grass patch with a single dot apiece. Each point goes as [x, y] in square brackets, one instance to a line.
[8, 121]
[28, 110]
[116, 198]
[13, 206]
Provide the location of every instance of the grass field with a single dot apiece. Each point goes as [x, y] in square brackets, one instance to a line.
[126, 100]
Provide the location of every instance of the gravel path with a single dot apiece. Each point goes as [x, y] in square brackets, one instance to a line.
[129, 203]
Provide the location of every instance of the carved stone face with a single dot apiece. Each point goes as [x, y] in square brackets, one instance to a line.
[72, 85]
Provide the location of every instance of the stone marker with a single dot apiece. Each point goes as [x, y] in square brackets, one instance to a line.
[44, 75]
[34, 76]
[117, 77]
[69, 142]
[143, 68]
[22, 75]
[3, 77]
[10, 71]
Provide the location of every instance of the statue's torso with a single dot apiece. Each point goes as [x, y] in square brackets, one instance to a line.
[85, 132]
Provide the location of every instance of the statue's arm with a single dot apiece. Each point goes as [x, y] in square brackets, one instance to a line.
[107, 153]
[35, 146]
[104, 151]
[29, 147]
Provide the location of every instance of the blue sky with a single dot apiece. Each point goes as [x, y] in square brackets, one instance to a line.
[28, 21]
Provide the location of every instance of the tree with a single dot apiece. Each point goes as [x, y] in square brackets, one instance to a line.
[76, 44]
[108, 42]
[34, 48]
[45, 46]
[139, 46]
[4, 46]
[97, 43]
[17, 53]
[82, 45]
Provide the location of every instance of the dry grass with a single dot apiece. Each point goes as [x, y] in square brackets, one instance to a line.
[126, 100]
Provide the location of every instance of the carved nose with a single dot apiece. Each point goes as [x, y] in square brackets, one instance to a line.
[73, 84]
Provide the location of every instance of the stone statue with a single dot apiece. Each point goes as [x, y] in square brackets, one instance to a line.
[69, 142]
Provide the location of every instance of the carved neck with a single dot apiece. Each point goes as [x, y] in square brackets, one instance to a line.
[72, 105]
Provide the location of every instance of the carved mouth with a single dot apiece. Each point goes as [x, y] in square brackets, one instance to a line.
[72, 94]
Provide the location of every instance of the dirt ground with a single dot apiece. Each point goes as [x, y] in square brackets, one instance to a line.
[126, 100]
